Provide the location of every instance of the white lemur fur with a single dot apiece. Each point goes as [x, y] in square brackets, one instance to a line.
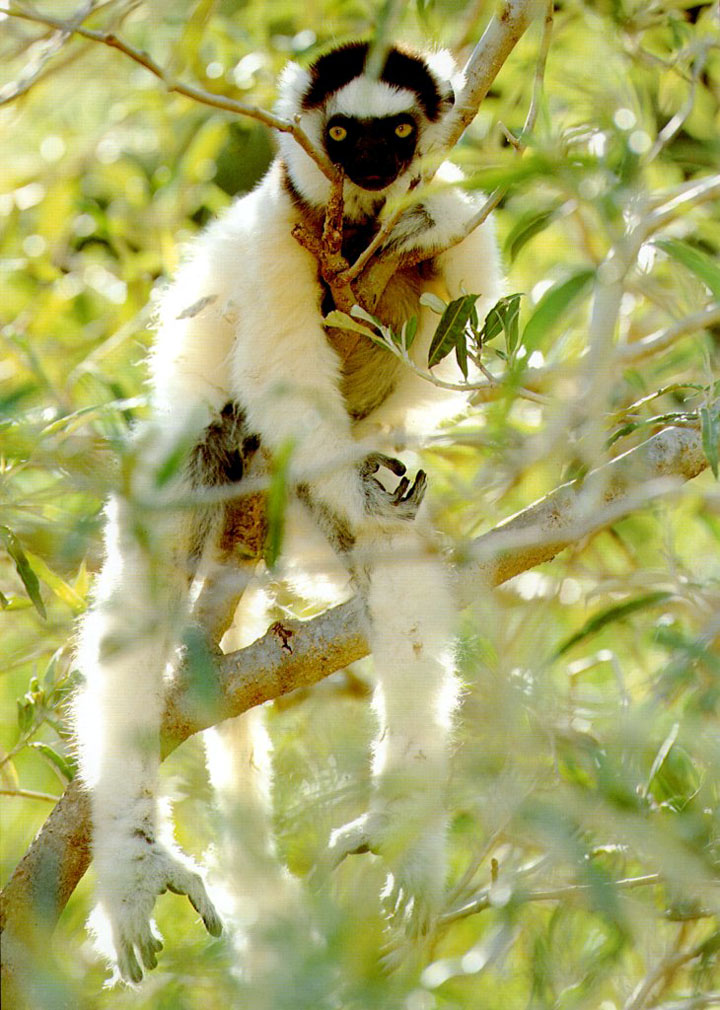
[242, 367]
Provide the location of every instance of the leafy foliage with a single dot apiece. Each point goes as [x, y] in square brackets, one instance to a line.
[585, 839]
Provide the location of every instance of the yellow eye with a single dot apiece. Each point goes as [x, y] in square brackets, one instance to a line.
[403, 130]
[338, 132]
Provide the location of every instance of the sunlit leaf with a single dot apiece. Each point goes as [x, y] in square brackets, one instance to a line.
[277, 503]
[697, 262]
[552, 307]
[610, 616]
[59, 762]
[451, 328]
[23, 568]
[528, 226]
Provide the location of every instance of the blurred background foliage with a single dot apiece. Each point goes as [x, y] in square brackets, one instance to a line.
[585, 785]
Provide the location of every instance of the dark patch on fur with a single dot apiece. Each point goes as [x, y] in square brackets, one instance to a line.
[331, 72]
[222, 457]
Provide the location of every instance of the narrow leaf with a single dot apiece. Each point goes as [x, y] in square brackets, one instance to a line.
[699, 263]
[609, 616]
[345, 322]
[553, 305]
[62, 764]
[451, 328]
[58, 585]
[409, 332]
[461, 357]
[503, 316]
[22, 566]
[527, 227]
[25, 715]
[276, 504]
[433, 302]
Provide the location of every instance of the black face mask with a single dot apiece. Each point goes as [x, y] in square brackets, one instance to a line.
[372, 152]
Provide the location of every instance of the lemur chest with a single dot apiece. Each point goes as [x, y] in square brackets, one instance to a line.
[370, 373]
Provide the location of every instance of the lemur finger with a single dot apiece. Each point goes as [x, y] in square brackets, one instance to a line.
[130, 970]
[374, 460]
[400, 490]
[417, 491]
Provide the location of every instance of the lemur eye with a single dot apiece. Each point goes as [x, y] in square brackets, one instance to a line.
[337, 132]
[403, 130]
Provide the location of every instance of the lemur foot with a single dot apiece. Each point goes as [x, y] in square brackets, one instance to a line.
[402, 503]
[129, 893]
[415, 859]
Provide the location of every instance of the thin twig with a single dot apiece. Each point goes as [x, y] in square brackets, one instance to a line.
[30, 794]
[483, 900]
[519, 143]
[178, 87]
[660, 340]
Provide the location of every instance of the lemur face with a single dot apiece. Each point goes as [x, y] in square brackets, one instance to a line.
[373, 152]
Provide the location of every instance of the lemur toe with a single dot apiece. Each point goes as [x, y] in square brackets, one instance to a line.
[189, 883]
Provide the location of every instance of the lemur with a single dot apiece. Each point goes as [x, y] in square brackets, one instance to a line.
[243, 368]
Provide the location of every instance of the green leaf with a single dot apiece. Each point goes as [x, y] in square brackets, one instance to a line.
[610, 616]
[409, 332]
[461, 357]
[699, 263]
[58, 585]
[358, 312]
[22, 566]
[25, 715]
[527, 227]
[451, 328]
[4, 601]
[345, 322]
[503, 316]
[710, 434]
[276, 503]
[553, 305]
[64, 765]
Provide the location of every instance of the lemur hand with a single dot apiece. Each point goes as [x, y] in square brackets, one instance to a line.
[402, 503]
[128, 893]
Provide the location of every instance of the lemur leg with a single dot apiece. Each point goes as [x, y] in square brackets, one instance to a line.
[411, 616]
[410, 625]
[127, 644]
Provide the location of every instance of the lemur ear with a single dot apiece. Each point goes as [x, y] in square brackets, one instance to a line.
[292, 85]
[448, 78]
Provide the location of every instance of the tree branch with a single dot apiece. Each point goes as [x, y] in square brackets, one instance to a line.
[178, 87]
[296, 654]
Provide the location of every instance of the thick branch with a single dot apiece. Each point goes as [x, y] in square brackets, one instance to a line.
[499, 39]
[296, 654]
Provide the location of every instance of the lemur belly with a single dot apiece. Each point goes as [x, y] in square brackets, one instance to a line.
[369, 372]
